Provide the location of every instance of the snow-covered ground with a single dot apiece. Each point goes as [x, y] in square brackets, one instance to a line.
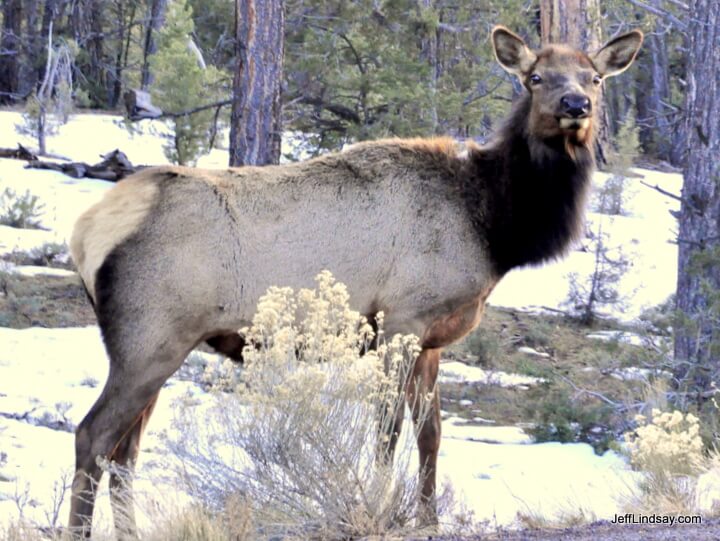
[644, 235]
[50, 377]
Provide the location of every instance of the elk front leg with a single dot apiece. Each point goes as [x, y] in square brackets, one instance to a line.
[424, 401]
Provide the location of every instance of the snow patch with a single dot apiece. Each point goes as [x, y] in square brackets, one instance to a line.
[456, 371]
[635, 373]
[622, 337]
[460, 429]
[13, 239]
[533, 352]
[34, 270]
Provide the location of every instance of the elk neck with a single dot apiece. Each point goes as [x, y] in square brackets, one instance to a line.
[533, 192]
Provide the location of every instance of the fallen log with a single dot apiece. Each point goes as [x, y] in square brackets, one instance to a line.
[114, 166]
[19, 153]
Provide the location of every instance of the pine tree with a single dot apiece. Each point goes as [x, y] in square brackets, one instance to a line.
[370, 69]
[697, 338]
[183, 83]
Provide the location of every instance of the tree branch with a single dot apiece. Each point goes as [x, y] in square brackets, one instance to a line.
[339, 110]
[353, 50]
[187, 112]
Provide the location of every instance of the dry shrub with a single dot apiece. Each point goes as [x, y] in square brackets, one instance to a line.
[668, 443]
[298, 436]
[197, 523]
[668, 450]
[21, 531]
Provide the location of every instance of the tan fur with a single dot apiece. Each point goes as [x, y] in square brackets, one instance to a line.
[442, 146]
[511, 52]
[109, 222]
[450, 328]
[617, 55]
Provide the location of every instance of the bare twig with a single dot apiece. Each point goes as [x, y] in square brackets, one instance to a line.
[660, 13]
[664, 192]
[579, 390]
[214, 129]
[351, 46]
[681, 5]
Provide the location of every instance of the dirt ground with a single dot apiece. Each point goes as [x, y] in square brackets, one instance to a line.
[604, 531]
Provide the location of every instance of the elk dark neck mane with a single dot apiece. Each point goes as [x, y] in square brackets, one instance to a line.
[534, 191]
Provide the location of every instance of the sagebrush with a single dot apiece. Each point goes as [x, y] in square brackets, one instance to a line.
[300, 432]
[679, 475]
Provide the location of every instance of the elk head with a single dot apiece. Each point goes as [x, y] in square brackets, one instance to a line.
[563, 83]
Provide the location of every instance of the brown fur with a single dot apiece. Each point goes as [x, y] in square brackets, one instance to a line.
[421, 229]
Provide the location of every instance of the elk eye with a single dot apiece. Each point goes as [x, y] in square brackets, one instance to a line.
[597, 80]
[535, 79]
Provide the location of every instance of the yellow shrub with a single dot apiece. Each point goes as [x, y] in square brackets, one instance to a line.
[669, 442]
[301, 432]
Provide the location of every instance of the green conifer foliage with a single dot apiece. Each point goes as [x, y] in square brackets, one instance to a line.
[183, 83]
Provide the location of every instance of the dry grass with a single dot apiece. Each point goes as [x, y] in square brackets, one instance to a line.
[580, 375]
[571, 517]
[22, 531]
[191, 523]
[43, 301]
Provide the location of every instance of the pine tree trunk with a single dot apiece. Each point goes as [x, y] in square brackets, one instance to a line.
[156, 17]
[86, 23]
[124, 37]
[255, 125]
[32, 48]
[696, 335]
[429, 54]
[10, 50]
[95, 48]
[577, 22]
[652, 92]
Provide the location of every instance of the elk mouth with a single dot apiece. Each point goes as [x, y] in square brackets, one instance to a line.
[574, 123]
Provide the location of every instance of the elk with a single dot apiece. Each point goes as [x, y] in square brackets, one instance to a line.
[421, 229]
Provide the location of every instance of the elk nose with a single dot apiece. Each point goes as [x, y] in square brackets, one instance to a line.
[576, 105]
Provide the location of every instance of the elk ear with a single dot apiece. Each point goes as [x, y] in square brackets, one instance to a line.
[617, 55]
[511, 51]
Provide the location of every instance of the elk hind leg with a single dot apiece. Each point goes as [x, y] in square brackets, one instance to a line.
[111, 430]
[124, 458]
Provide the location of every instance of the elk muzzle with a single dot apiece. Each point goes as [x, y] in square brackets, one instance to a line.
[576, 105]
[575, 111]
